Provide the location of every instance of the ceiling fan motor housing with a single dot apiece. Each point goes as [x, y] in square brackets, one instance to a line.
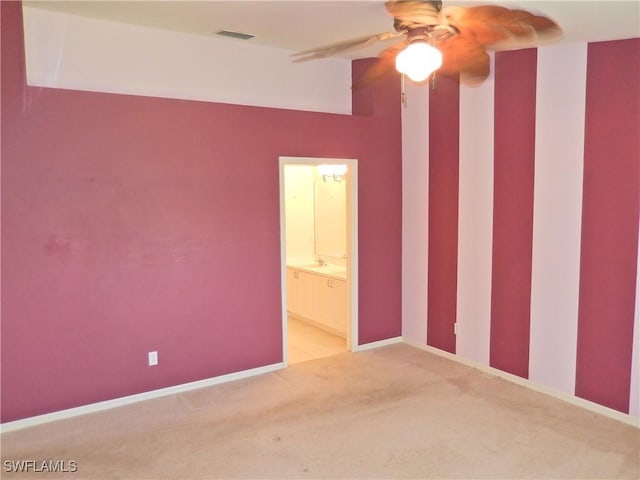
[418, 34]
[436, 3]
[404, 23]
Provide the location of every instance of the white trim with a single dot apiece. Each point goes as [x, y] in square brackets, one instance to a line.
[352, 244]
[634, 390]
[577, 401]
[283, 264]
[378, 344]
[352, 261]
[139, 397]
[123, 401]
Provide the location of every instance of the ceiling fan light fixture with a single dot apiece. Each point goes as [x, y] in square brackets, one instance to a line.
[418, 60]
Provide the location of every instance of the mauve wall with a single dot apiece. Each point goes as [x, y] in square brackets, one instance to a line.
[132, 224]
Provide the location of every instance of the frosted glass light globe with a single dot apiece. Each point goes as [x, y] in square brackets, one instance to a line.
[418, 61]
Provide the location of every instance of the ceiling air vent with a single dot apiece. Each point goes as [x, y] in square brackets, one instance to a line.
[238, 35]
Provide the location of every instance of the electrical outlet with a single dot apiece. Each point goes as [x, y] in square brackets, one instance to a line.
[153, 358]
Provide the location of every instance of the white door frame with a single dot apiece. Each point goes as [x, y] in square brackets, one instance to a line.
[352, 245]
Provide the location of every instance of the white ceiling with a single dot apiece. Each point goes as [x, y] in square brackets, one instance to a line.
[300, 25]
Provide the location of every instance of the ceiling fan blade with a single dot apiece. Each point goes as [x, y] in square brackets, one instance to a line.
[528, 30]
[341, 47]
[464, 57]
[384, 64]
[500, 28]
[408, 13]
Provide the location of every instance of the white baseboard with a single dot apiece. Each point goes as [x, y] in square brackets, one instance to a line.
[319, 325]
[378, 344]
[580, 402]
[119, 402]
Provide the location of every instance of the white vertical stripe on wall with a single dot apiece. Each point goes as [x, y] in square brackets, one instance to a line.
[415, 195]
[475, 221]
[557, 213]
[634, 396]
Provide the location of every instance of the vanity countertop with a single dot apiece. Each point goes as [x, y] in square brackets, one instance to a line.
[332, 271]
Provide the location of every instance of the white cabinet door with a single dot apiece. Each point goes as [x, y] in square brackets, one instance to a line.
[332, 305]
[302, 296]
[309, 295]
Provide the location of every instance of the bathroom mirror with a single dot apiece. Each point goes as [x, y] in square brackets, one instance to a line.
[330, 209]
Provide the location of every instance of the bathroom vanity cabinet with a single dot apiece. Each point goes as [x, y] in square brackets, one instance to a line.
[319, 298]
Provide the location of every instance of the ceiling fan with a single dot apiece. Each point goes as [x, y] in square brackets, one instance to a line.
[452, 41]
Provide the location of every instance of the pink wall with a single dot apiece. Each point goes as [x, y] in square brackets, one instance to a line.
[514, 164]
[609, 223]
[132, 224]
[443, 213]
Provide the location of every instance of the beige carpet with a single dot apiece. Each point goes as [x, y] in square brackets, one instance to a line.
[394, 412]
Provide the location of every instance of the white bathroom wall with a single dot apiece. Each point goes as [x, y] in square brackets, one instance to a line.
[299, 215]
[79, 53]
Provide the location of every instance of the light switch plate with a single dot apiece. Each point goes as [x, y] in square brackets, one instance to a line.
[153, 358]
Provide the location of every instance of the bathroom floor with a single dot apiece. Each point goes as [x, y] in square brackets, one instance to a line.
[307, 342]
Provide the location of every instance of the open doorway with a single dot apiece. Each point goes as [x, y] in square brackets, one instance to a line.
[318, 218]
